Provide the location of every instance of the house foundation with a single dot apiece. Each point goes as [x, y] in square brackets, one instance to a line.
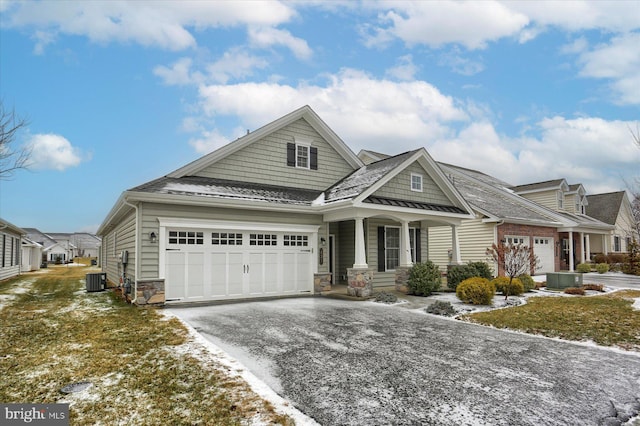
[402, 277]
[150, 292]
[321, 282]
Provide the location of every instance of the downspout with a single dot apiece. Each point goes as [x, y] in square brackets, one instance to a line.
[134, 290]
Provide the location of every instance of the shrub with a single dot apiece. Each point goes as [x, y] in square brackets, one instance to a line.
[459, 273]
[574, 290]
[476, 290]
[386, 297]
[632, 260]
[600, 258]
[594, 287]
[527, 282]
[601, 268]
[583, 268]
[515, 288]
[440, 307]
[424, 279]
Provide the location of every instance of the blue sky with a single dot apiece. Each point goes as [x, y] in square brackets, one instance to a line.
[119, 93]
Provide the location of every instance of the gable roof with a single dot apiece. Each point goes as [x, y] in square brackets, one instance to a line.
[542, 186]
[41, 238]
[304, 112]
[605, 207]
[10, 226]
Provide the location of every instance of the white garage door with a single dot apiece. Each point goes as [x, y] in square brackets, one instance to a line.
[227, 263]
[543, 248]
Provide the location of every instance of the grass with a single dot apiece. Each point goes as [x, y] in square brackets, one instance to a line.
[144, 368]
[608, 320]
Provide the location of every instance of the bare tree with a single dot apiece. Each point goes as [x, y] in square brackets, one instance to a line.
[635, 188]
[514, 259]
[12, 158]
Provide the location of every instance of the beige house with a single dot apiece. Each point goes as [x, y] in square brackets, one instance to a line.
[614, 208]
[288, 209]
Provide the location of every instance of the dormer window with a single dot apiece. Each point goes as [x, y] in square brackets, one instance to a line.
[302, 155]
[416, 182]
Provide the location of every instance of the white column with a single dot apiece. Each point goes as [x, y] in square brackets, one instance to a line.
[582, 247]
[605, 246]
[455, 246]
[571, 265]
[587, 244]
[361, 257]
[405, 246]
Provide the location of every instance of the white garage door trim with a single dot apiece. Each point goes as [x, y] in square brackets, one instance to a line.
[205, 258]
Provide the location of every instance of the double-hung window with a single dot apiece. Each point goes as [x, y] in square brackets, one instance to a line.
[416, 182]
[302, 156]
[392, 248]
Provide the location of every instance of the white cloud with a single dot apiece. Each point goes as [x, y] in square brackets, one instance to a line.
[459, 64]
[367, 113]
[435, 24]
[179, 73]
[52, 152]
[265, 37]
[618, 61]
[404, 70]
[235, 63]
[164, 24]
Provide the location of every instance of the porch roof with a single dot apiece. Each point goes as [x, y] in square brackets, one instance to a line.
[413, 204]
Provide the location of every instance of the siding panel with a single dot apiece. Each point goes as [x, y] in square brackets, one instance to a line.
[400, 187]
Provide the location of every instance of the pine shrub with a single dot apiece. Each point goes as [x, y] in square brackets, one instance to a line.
[527, 282]
[632, 262]
[602, 268]
[476, 290]
[424, 279]
[459, 273]
[583, 268]
[440, 307]
[515, 288]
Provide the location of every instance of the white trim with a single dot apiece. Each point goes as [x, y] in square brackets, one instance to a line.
[179, 222]
[301, 142]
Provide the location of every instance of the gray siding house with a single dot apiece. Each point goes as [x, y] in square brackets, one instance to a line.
[288, 209]
[10, 247]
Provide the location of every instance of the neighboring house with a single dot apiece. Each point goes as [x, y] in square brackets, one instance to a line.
[285, 210]
[52, 251]
[614, 208]
[579, 231]
[31, 255]
[501, 216]
[80, 244]
[10, 237]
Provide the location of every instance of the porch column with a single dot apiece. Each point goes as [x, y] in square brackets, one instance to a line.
[455, 246]
[405, 251]
[582, 252]
[605, 246]
[571, 265]
[361, 257]
[587, 243]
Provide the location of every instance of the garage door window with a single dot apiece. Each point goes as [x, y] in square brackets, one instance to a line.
[263, 239]
[226, 239]
[296, 240]
[186, 237]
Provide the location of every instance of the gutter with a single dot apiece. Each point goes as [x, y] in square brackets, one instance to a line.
[136, 248]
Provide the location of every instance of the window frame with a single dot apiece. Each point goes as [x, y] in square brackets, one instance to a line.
[388, 249]
[560, 199]
[421, 181]
[306, 146]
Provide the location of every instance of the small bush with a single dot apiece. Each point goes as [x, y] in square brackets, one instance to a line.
[602, 268]
[385, 297]
[527, 282]
[594, 287]
[476, 290]
[583, 268]
[502, 285]
[424, 279]
[574, 290]
[600, 258]
[440, 307]
[459, 273]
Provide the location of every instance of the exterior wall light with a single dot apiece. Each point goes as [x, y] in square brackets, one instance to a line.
[323, 241]
[152, 237]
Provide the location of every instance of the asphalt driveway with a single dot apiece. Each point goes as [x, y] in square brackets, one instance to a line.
[362, 363]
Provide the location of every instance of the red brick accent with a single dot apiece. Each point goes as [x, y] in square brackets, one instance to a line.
[517, 230]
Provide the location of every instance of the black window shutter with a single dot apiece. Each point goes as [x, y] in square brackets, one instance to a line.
[418, 247]
[381, 259]
[291, 154]
[313, 163]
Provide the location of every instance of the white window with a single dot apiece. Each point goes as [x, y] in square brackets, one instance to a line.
[186, 237]
[391, 248]
[560, 196]
[616, 243]
[263, 239]
[225, 239]
[416, 182]
[413, 243]
[516, 240]
[302, 156]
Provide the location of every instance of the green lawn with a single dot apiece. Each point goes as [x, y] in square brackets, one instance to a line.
[608, 320]
[143, 367]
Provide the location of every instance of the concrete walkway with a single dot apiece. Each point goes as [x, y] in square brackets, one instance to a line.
[362, 363]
